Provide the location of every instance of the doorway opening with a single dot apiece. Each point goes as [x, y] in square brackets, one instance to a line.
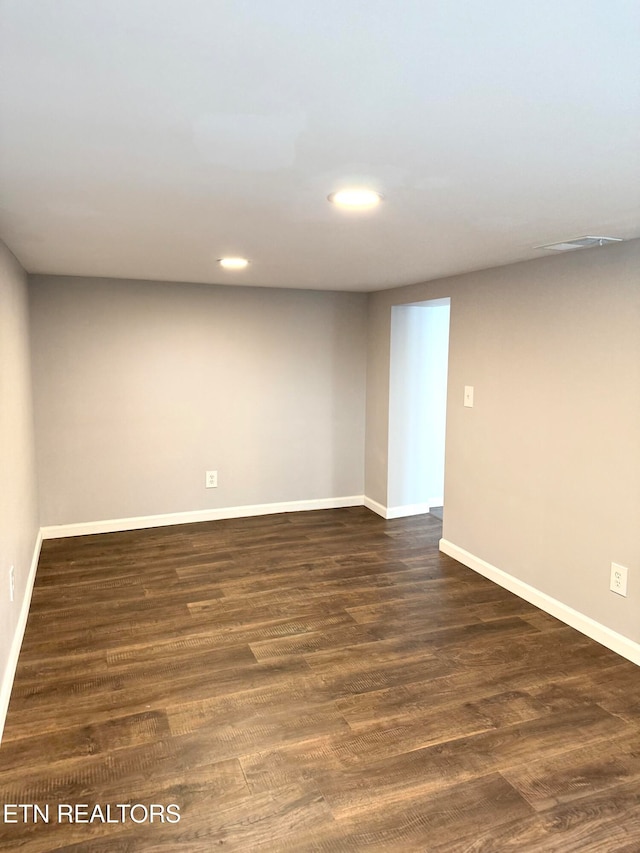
[417, 407]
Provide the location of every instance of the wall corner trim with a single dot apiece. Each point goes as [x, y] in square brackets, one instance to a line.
[607, 637]
[14, 653]
[374, 506]
[115, 525]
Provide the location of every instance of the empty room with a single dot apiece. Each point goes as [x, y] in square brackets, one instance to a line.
[319, 426]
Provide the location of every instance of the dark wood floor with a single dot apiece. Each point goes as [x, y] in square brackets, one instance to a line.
[322, 681]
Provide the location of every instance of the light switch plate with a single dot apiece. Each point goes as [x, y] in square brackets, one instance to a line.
[468, 396]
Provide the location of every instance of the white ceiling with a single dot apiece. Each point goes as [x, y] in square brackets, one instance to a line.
[146, 138]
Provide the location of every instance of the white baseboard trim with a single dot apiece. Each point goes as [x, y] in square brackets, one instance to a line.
[114, 525]
[14, 653]
[390, 512]
[408, 509]
[595, 630]
[374, 506]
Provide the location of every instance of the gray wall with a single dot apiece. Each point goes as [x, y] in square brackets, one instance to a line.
[543, 474]
[141, 386]
[18, 504]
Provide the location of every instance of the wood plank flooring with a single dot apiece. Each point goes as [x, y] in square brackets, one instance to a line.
[322, 681]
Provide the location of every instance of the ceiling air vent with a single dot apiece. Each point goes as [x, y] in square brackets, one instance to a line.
[580, 243]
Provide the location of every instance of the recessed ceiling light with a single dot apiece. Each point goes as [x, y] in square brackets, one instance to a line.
[233, 263]
[355, 197]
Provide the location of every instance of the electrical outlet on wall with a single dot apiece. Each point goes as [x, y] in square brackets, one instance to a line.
[12, 583]
[211, 479]
[618, 582]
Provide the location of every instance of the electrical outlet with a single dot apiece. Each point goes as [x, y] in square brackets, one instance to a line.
[618, 582]
[12, 583]
[211, 479]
